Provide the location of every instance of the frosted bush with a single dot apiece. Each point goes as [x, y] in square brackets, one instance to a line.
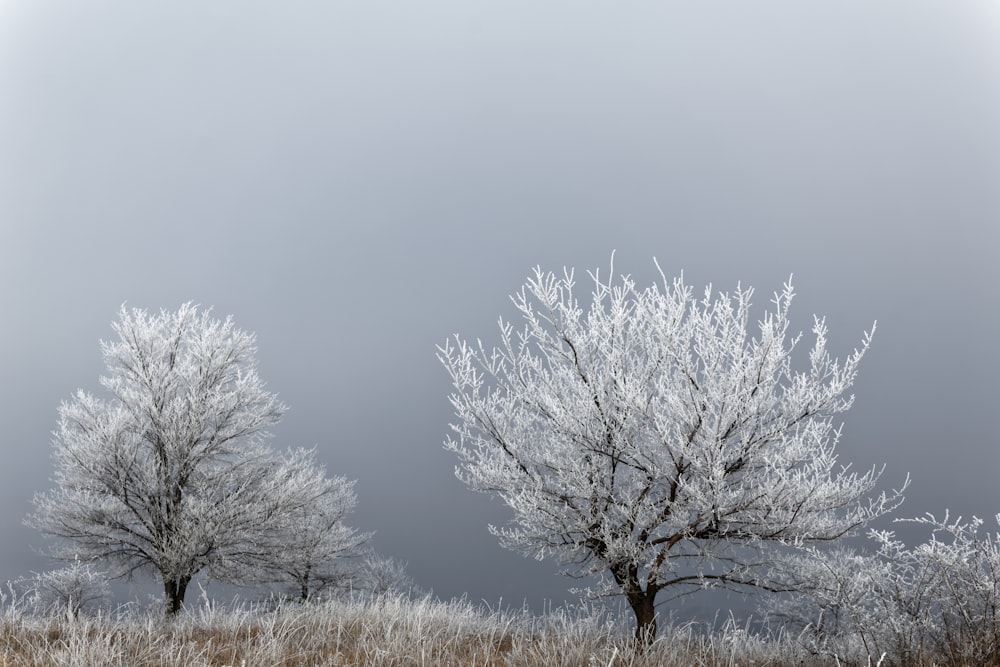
[937, 601]
[74, 589]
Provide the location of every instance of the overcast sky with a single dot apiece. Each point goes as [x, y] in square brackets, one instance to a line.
[355, 181]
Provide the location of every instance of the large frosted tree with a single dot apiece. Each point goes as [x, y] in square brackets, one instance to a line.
[649, 437]
[170, 473]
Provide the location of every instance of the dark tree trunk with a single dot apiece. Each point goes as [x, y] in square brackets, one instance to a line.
[642, 604]
[304, 585]
[641, 601]
[173, 594]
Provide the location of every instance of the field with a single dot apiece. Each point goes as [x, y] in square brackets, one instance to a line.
[386, 631]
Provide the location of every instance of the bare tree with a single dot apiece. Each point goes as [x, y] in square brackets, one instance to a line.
[319, 553]
[69, 590]
[650, 438]
[171, 473]
[385, 575]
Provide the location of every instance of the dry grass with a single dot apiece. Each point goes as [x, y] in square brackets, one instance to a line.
[388, 632]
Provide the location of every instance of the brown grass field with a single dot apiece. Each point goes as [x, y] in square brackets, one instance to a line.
[384, 632]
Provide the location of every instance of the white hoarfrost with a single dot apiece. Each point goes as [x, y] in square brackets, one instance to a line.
[649, 436]
[320, 554]
[70, 590]
[170, 472]
[936, 602]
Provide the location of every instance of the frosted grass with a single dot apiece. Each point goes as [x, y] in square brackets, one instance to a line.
[387, 631]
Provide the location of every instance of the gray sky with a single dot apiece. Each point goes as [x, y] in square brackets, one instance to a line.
[355, 181]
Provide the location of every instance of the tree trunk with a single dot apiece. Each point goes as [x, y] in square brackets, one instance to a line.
[304, 585]
[645, 616]
[173, 594]
[641, 601]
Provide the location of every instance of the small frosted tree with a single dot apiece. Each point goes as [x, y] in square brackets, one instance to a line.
[170, 473]
[319, 553]
[652, 439]
[385, 575]
[70, 590]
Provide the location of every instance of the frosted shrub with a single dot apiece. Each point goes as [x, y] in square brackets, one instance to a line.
[937, 601]
[384, 575]
[70, 590]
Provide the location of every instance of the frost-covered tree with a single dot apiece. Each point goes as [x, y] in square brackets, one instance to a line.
[319, 553]
[651, 438]
[385, 575]
[170, 472]
[936, 602]
[69, 590]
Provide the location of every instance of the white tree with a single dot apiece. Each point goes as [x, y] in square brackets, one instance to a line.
[385, 575]
[319, 553]
[171, 473]
[69, 590]
[652, 439]
[937, 602]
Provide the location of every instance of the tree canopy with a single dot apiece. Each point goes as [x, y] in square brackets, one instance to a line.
[652, 438]
[170, 472]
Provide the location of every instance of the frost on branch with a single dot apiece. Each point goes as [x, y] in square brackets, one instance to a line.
[70, 590]
[318, 554]
[938, 600]
[169, 473]
[385, 575]
[649, 436]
